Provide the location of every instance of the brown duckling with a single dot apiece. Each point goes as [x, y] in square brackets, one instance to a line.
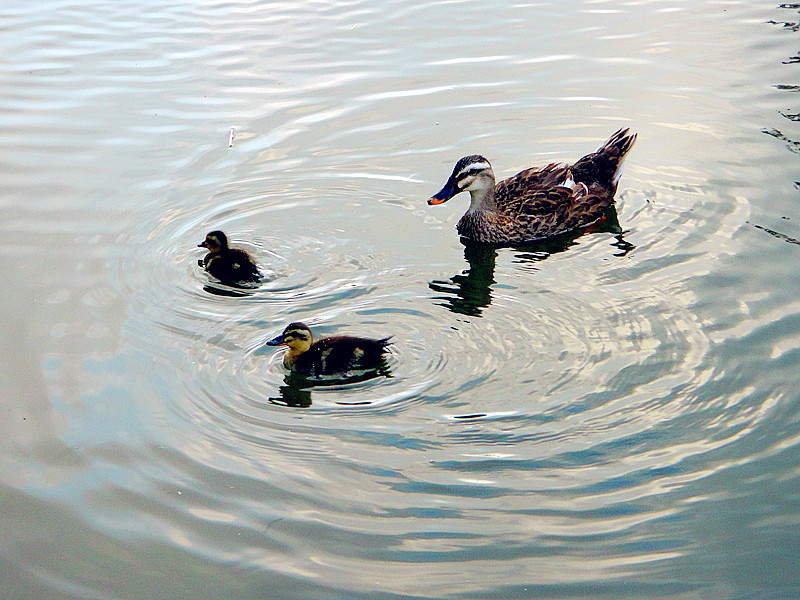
[328, 356]
[231, 266]
[538, 202]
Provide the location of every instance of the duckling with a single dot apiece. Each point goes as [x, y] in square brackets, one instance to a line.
[328, 356]
[230, 265]
[538, 202]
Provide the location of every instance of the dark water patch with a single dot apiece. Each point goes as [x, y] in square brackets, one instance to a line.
[777, 234]
[791, 145]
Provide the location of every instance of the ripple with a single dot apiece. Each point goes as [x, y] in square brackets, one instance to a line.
[558, 418]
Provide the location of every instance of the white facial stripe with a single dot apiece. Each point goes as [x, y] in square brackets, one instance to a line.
[472, 166]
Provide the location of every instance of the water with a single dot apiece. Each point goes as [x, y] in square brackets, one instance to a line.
[614, 415]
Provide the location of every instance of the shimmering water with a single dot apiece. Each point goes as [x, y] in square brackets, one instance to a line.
[611, 416]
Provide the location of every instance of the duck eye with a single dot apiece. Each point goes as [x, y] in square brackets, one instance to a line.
[470, 173]
[467, 177]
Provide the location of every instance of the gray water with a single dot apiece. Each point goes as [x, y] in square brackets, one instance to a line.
[611, 416]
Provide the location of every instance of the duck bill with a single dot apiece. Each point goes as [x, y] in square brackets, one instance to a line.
[448, 191]
[203, 245]
[276, 341]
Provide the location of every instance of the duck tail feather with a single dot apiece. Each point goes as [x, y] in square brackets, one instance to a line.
[604, 165]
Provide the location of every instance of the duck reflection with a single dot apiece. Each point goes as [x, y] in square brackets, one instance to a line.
[297, 387]
[470, 292]
[227, 291]
[295, 393]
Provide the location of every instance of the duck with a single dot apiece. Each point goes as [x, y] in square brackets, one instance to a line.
[329, 356]
[537, 203]
[231, 266]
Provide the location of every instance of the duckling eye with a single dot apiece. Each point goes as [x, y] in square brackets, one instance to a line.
[295, 336]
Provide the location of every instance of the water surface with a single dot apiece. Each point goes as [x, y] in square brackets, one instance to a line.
[603, 416]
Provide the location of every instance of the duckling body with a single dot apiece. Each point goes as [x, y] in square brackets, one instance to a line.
[231, 266]
[328, 356]
[537, 202]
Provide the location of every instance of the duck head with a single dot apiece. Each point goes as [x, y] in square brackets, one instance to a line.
[297, 337]
[472, 174]
[215, 242]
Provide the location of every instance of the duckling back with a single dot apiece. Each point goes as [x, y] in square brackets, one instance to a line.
[232, 266]
[338, 355]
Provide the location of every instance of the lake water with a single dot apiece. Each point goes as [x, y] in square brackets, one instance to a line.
[611, 416]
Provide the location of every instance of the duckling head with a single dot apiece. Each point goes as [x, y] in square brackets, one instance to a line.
[472, 174]
[216, 241]
[297, 337]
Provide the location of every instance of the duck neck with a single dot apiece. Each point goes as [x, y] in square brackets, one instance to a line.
[290, 357]
[482, 200]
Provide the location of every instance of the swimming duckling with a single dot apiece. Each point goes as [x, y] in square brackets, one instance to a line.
[536, 203]
[328, 356]
[230, 265]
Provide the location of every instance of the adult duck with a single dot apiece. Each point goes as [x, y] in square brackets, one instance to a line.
[537, 202]
[329, 356]
[231, 266]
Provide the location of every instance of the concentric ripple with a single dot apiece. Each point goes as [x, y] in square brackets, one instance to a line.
[565, 388]
[606, 415]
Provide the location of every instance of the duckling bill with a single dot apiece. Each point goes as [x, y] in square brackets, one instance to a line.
[329, 356]
[231, 266]
[537, 202]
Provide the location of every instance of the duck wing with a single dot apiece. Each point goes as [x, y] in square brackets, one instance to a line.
[531, 179]
[242, 266]
[548, 201]
[339, 354]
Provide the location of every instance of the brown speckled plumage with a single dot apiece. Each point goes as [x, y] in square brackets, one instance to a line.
[537, 202]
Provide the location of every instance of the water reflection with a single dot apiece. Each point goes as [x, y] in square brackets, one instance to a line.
[230, 291]
[469, 292]
[790, 116]
[294, 393]
[630, 434]
[777, 234]
[791, 145]
[296, 389]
